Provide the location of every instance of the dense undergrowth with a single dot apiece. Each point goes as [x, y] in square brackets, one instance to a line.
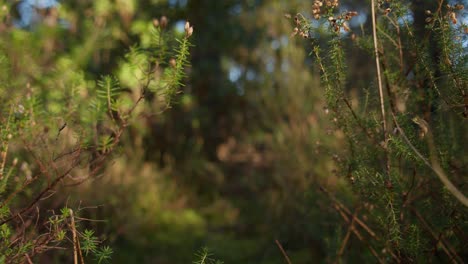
[327, 137]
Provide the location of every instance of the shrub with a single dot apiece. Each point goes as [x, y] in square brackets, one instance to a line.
[405, 129]
[59, 127]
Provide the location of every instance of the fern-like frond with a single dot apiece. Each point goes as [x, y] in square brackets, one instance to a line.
[205, 257]
[108, 90]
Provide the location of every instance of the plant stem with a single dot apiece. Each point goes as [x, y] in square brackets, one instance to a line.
[379, 75]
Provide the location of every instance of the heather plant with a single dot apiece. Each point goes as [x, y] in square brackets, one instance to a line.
[262, 160]
[203, 256]
[59, 126]
[405, 129]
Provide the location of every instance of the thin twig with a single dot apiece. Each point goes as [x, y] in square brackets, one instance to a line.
[42, 193]
[76, 242]
[440, 239]
[358, 235]
[346, 238]
[381, 95]
[388, 36]
[435, 166]
[360, 124]
[75, 250]
[345, 212]
[379, 76]
[426, 36]
[28, 259]
[391, 96]
[283, 252]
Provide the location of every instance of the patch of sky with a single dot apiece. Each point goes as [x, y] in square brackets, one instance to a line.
[41, 4]
[29, 15]
[270, 64]
[275, 44]
[315, 28]
[407, 18]
[234, 74]
[235, 10]
[358, 20]
[179, 26]
[453, 2]
[250, 75]
[465, 42]
[175, 3]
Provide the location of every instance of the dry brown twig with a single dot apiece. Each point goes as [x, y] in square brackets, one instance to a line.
[76, 243]
[454, 257]
[75, 238]
[434, 165]
[379, 76]
[348, 217]
[346, 238]
[75, 161]
[283, 252]
[358, 234]
[381, 94]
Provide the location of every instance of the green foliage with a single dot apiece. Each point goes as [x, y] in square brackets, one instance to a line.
[396, 170]
[89, 243]
[59, 127]
[108, 90]
[267, 143]
[204, 257]
[103, 255]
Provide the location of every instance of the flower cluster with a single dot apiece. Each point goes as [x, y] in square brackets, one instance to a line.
[318, 4]
[188, 29]
[316, 9]
[451, 12]
[160, 22]
[341, 21]
[301, 26]
[322, 9]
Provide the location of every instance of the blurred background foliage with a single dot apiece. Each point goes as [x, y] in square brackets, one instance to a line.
[237, 160]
